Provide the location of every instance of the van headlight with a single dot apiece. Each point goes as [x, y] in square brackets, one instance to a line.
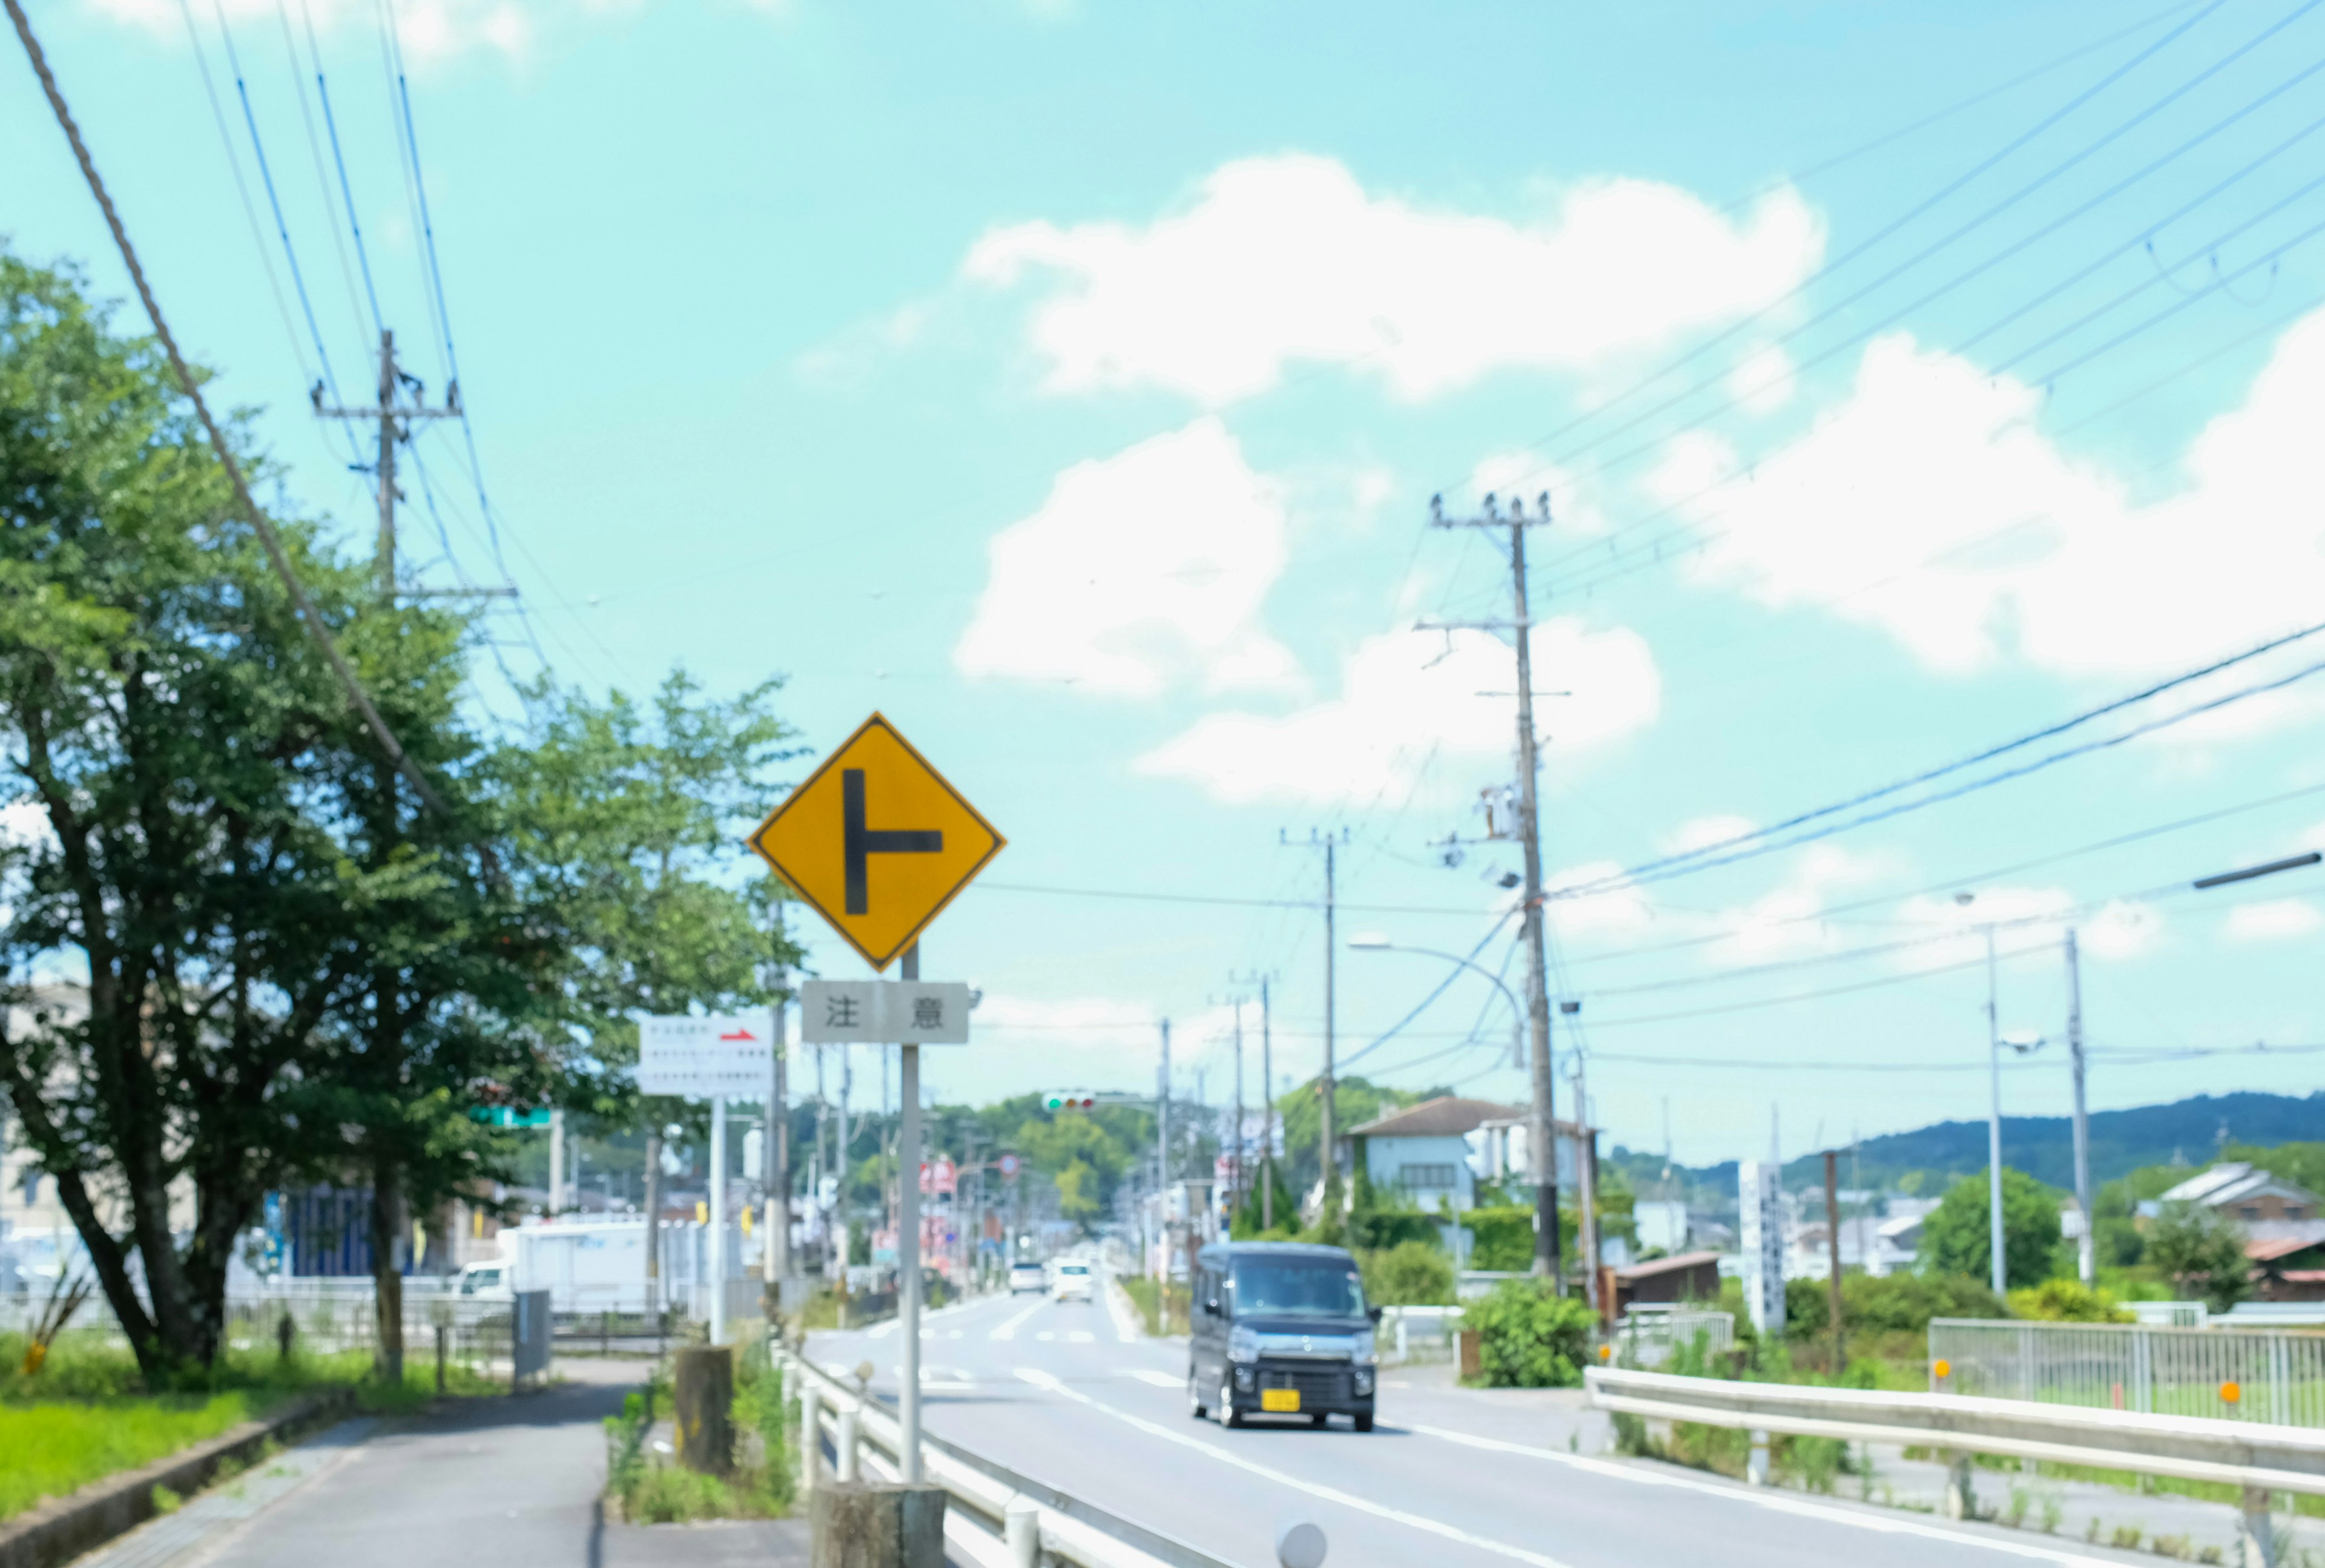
[1362, 1351]
[1243, 1345]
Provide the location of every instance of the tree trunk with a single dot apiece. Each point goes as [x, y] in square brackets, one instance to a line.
[388, 1239]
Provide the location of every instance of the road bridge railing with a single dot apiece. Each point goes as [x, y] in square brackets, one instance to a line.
[997, 1517]
[2257, 1457]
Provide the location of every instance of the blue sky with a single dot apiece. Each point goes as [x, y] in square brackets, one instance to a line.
[1069, 381]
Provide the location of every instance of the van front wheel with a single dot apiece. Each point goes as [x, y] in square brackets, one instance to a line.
[1195, 1397]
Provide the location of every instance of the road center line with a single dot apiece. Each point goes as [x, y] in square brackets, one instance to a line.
[1758, 1497]
[1147, 1375]
[1045, 1380]
[1008, 1329]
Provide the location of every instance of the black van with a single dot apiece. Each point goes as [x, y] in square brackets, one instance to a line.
[1280, 1328]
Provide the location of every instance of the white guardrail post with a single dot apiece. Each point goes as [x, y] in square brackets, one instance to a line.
[811, 1435]
[2255, 1533]
[845, 1470]
[1021, 1533]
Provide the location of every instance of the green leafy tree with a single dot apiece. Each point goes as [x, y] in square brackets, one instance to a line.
[1956, 1237]
[1529, 1338]
[626, 819]
[2066, 1300]
[171, 727]
[2202, 1252]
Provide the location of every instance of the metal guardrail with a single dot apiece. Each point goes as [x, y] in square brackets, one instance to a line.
[2259, 1458]
[2278, 1373]
[1005, 1519]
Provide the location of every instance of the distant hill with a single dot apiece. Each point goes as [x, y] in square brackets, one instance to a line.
[2122, 1141]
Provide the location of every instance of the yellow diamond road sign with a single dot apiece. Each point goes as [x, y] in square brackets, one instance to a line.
[877, 841]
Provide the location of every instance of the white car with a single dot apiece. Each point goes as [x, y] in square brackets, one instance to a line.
[1072, 1281]
[1027, 1275]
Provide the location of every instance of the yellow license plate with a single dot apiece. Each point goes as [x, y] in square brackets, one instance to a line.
[1285, 1401]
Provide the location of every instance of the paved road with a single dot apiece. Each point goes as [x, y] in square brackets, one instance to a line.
[1066, 1394]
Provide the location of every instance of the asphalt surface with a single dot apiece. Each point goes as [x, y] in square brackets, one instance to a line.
[1067, 1393]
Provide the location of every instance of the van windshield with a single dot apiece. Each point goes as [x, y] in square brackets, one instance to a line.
[1322, 1289]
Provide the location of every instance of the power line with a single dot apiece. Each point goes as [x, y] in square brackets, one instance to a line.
[1719, 852]
[275, 554]
[1875, 239]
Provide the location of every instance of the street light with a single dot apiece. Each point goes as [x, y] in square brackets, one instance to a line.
[2290, 863]
[2024, 1045]
[1374, 941]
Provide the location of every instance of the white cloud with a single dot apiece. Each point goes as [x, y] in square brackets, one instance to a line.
[1930, 504]
[2274, 920]
[1141, 572]
[1616, 913]
[1784, 922]
[1407, 697]
[1702, 833]
[431, 29]
[1280, 260]
[1521, 474]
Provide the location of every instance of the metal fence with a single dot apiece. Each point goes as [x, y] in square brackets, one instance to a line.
[1647, 1336]
[2272, 1375]
[326, 1315]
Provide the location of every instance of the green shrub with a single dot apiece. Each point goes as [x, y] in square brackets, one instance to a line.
[1409, 1273]
[1529, 1338]
[1501, 1238]
[2067, 1301]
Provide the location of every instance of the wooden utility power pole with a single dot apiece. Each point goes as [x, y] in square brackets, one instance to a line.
[1541, 1130]
[394, 419]
[1833, 1254]
[1330, 1162]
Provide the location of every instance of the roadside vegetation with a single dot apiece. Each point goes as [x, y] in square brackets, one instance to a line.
[648, 1487]
[88, 1412]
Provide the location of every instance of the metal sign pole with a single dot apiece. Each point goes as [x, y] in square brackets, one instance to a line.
[719, 1217]
[908, 1247]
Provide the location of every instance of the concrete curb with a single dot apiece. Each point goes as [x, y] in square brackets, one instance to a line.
[59, 1530]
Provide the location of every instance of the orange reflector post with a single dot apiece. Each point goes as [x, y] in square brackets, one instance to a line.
[1943, 1368]
[2230, 1392]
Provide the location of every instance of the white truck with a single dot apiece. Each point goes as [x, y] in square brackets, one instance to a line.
[589, 1266]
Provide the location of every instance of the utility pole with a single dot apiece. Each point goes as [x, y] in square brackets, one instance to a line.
[395, 420]
[1330, 1160]
[1163, 1161]
[1266, 1102]
[1833, 1254]
[775, 1148]
[1586, 1176]
[2086, 1256]
[1548, 1260]
[1999, 1274]
[1234, 1165]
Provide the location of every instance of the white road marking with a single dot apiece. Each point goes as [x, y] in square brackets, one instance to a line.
[1080, 1336]
[1008, 1329]
[1045, 1334]
[1761, 1496]
[882, 1330]
[1146, 1375]
[952, 1333]
[1042, 1379]
[1117, 1307]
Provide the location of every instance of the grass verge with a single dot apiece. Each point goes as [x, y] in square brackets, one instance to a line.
[648, 1490]
[87, 1413]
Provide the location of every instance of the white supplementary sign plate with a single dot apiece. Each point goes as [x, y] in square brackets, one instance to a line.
[884, 1012]
[701, 1058]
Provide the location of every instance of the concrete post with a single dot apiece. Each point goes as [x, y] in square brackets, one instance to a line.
[2255, 1533]
[811, 1436]
[843, 1470]
[1962, 1496]
[1756, 1467]
[1021, 1534]
[877, 1525]
[702, 1401]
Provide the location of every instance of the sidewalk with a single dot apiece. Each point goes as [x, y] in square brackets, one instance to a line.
[507, 1482]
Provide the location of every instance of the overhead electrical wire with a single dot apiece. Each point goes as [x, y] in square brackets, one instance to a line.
[275, 553]
[1877, 238]
[339, 160]
[1710, 853]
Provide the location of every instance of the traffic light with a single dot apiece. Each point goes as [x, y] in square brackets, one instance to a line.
[1068, 1100]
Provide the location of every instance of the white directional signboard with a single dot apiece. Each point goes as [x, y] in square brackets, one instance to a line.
[717, 1058]
[884, 1012]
